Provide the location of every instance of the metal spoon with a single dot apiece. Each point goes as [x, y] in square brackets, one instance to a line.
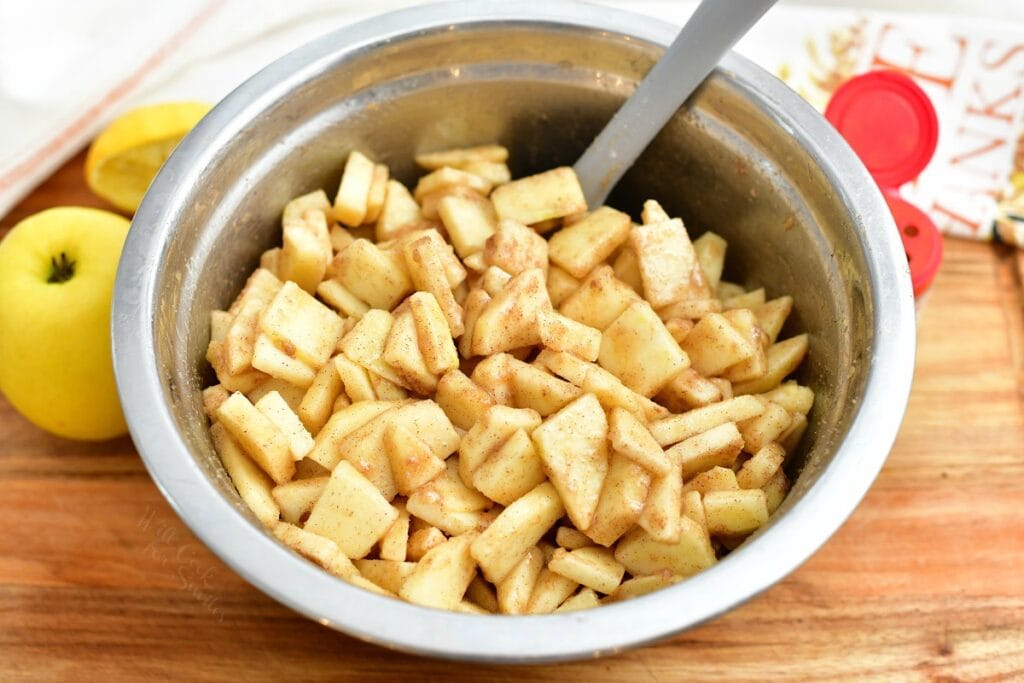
[711, 31]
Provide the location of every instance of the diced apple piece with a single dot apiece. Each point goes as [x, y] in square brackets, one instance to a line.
[301, 325]
[570, 538]
[572, 444]
[760, 431]
[373, 275]
[399, 213]
[337, 297]
[775, 491]
[240, 338]
[493, 428]
[549, 591]
[710, 249]
[641, 554]
[610, 391]
[503, 544]
[494, 375]
[754, 297]
[534, 388]
[365, 344]
[305, 252]
[213, 397]
[388, 574]
[351, 512]
[783, 358]
[354, 191]
[735, 513]
[446, 178]
[413, 464]
[599, 299]
[326, 447]
[717, 446]
[252, 483]
[297, 208]
[281, 415]
[442, 576]
[462, 400]
[541, 197]
[364, 447]
[622, 501]
[394, 543]
[756, 365]
[511, 471]
[627, 269]
[638, 350]
[476, 301]
[653, 212]
[355, 378]
[771, 315]
[378, 191]
[318, 402]
[482, 594]
[759, 470]
[790, 438]
[667, 261]
[714, 344]
[270, 359]
[792, 397]
[660, 516]
[561, 333]
[515, 248]
[631, 438]
[580, 247]
[585, 599]
[515, 589]
[433, 333]
[560, 285]
[258, 436]
[595, 568]
[718, 478]
[424, 258]
[316, 548]
[676, 428]
[469, 222]
[509, 320]
[458, 158]
[261, 286]
[296, 498]
[422, 540]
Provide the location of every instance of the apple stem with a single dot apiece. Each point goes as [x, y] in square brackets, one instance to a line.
[62, 270]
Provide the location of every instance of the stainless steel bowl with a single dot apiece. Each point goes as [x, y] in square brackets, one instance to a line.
[748, 159]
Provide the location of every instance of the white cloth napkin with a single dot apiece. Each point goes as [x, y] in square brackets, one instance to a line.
[68, 67]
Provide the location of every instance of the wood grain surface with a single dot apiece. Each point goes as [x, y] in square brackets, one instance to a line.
[99, 580]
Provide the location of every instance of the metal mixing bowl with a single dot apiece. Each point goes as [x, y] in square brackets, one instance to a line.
[748, 159]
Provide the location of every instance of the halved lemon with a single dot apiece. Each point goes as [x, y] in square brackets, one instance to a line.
[124, 159]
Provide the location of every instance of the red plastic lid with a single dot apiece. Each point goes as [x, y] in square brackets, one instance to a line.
[921, 240]
[889, 121]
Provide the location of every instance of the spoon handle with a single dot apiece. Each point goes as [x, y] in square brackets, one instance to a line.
[711, 31]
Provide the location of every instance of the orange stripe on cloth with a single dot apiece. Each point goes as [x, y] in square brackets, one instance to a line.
[121, 90]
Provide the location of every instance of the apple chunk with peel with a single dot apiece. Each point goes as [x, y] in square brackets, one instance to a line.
[351, 512]
[572, 444]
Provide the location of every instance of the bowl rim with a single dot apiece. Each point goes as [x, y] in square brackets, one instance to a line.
[256, 555]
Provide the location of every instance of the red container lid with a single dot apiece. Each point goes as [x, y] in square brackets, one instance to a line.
[891, 124]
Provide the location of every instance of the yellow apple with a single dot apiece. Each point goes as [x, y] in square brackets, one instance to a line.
[56, 280]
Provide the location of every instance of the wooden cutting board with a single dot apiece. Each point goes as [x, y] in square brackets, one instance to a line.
[99, 580]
